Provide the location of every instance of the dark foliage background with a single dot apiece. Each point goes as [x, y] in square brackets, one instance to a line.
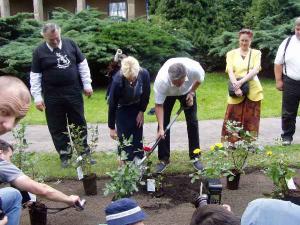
[98, 39]
[202, 29]
[213, 25]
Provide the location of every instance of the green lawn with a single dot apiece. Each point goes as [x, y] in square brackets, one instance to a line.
[48, 165]
[211, 102]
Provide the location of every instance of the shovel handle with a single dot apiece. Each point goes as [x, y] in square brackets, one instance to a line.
[159, 139]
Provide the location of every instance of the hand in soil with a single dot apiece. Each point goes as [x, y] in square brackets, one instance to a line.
[73, 199]
[79, 205]
[227, 207]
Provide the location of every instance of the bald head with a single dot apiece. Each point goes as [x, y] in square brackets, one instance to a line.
[14, 102]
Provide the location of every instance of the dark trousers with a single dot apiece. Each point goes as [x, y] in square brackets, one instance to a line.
[58, 109]
[290, 104]
[191, 122]
[130, 136]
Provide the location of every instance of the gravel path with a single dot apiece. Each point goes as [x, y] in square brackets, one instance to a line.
[39, 138]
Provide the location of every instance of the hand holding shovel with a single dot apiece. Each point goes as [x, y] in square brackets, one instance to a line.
[190, 99]
[161, 135]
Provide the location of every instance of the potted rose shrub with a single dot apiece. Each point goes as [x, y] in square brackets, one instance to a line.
[27, 162]
[276, 167]
[229, 159]
[124, 181]
[82, 159]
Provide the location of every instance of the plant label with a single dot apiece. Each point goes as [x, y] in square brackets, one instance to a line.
[32, 197]
[291, 185]
[79, 173]
[79, 159]
[150, 185]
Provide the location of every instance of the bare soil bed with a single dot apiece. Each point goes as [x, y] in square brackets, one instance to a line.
[173, 207]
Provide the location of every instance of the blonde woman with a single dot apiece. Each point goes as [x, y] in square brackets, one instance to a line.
[129, 97]
[243, 65]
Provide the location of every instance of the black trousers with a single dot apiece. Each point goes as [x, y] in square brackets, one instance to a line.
[130, 136]
[191, 122]
[290, 104]
[58, 109]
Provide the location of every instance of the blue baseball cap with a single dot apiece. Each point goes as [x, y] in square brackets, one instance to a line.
[123, 212]
[271, 211]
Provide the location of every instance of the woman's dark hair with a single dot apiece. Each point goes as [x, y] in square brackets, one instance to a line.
[113, 67]
[4, 146]
[214, 215]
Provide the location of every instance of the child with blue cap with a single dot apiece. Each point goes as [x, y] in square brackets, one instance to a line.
[124, 211]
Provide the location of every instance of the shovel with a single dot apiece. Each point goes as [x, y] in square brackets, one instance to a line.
[140, 164]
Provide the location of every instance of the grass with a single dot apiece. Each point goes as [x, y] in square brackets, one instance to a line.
[49, 163]
[211, 98]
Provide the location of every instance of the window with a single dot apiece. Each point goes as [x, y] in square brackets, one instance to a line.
[118, 9]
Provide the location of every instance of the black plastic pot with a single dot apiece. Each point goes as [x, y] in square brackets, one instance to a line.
[38, 213]
[90, 184]
[293, 196]
[234, 184]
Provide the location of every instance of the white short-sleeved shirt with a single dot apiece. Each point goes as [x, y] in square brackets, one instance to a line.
[163, 86]
[292, 58]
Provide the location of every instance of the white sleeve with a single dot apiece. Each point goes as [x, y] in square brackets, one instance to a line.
[85, 74]
[198, 72]
[36, 86]
[201, 74]
[159, 97]
[280, 51]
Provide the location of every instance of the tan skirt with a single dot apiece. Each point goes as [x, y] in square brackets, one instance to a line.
[247, 112]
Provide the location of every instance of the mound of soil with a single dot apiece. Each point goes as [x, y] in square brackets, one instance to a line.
[173, 207]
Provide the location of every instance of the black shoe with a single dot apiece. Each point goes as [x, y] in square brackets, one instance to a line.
[197, 165]
[93, 161]
[286, 142]
[151, 112]
[160, 167]
[65, 163]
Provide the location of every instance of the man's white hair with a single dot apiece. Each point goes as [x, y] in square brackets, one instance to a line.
[177, 71]
[49, 27]
[297, 21]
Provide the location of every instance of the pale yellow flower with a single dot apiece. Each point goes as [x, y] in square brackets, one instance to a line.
[219, 145]
[197, 151]
[269, 153]
[212, 148]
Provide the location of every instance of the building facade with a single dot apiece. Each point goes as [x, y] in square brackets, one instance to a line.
[42, 9]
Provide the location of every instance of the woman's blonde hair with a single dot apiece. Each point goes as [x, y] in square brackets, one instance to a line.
[130, 67]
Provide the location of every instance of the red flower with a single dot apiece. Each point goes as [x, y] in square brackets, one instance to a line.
[147, 149]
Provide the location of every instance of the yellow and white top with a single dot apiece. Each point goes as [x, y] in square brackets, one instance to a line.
[239, 67]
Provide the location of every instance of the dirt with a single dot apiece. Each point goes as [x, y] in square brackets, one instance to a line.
[173, 207]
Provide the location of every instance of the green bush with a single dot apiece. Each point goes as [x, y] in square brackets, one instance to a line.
[19, 35]
[203, 20]
[212, 25]
[98, 38]
[270, 29]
